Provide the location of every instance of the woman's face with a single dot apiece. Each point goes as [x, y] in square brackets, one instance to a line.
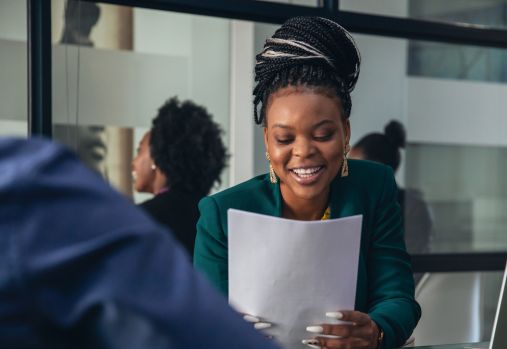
[305, 136]
[142, 167]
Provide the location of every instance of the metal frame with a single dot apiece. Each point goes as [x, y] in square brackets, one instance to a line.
[277, 13]
[39, 67]
[459, 262]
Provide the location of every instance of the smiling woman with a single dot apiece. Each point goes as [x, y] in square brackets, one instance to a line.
[305, 75]
[306, 136]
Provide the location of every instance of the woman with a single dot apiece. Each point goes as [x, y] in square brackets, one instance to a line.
[304, 78]
[179, 160]
[385, 148]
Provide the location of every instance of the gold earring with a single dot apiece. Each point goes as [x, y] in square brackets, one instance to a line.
[272, 175]
[345, 164]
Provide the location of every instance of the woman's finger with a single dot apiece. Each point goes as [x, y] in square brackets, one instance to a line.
[342, 330]
[262, 325]
[353, 316]
[343, 343]
[251, 318]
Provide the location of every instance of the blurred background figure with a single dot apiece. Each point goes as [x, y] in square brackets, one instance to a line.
[385, 148]
[178, 161]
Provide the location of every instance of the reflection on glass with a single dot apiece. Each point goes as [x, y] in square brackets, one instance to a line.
[89, 142]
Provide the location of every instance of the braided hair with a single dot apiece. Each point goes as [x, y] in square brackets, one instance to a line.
[311, 51]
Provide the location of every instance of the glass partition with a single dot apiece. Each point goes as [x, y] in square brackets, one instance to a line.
[114, 66]
[13, 73]
[453, 165]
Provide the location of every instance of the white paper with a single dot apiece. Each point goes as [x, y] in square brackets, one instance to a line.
[290, 273]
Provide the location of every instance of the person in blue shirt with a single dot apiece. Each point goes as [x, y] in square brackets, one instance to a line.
[81, 267]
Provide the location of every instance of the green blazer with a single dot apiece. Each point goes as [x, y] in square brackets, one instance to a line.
[385, 286]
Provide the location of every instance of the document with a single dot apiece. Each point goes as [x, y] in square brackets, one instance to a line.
[290, 273]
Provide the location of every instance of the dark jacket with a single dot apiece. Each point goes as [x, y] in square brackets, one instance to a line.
[81, 267]
[178, 211]
[385, 287]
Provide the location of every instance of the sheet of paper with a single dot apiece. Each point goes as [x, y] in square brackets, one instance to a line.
[290, 273]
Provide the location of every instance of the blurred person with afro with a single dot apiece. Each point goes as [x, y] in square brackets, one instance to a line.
[178, 161]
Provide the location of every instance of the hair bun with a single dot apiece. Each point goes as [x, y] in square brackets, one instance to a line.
[316, 39]
[395, 132]
[309, 51]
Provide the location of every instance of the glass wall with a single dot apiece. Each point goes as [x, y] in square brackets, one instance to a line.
[13, 73]
[453, 164]
[114, 66]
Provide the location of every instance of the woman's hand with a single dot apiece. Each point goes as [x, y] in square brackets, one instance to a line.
[360, 333]
[259, 324]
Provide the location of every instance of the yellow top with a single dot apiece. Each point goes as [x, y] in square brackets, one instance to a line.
[327, 214]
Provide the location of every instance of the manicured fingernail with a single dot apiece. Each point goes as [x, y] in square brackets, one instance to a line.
[315, 329]
[262, 325]
[335, 315]
[250, 318]
[312, 343]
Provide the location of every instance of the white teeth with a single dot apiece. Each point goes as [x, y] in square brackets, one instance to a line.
[306, 171]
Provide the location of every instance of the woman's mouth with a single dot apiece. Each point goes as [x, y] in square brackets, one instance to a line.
[306, 175]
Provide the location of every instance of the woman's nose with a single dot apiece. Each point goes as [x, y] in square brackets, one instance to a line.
[303, 148]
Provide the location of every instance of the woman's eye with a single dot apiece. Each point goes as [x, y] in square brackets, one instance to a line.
[283, 140]
[322, 138]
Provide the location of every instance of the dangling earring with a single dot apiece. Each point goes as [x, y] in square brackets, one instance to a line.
[345, 164]
[272, 175]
